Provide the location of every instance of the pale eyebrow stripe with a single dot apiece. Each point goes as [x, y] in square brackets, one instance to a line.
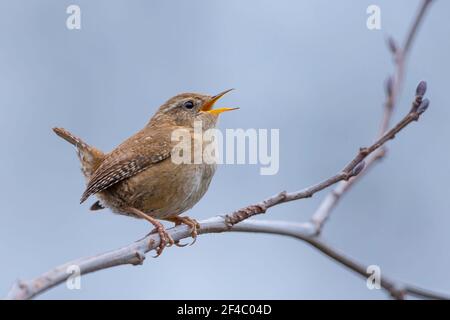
[174, 105]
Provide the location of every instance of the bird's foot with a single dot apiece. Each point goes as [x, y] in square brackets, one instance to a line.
[165, 238]
[192, 223]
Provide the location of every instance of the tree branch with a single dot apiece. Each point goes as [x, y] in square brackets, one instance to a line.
[135, 253]
[393, 87]
[351, 170]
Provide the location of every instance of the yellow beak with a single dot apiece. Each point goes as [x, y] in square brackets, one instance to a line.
[208, 106]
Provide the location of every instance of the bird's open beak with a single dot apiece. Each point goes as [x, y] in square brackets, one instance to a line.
[208, 106]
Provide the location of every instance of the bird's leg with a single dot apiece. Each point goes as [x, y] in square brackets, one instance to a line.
[164, 236]
[192, 223]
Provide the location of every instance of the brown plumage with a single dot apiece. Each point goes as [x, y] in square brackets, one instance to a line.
[139, 178]
[90, 157]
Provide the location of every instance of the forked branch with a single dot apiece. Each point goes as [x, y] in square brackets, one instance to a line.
[309, 232]
[135, 253]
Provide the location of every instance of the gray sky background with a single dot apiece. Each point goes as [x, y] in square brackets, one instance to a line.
[310, 68]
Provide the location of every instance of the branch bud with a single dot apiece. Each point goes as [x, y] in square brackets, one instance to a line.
[421, 89]
[358, 168]
[389, 86]
[392, 45]
[423, 106]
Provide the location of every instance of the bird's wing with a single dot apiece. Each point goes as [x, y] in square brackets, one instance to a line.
[128, 160]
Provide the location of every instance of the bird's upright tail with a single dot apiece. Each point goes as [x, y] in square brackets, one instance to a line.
[66, 135]
[90, 157]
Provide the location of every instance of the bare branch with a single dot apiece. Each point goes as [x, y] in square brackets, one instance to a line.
[302, 231]
[393, 87]
[396, 290]
[134, 254]
[417, 21]
[351, 170]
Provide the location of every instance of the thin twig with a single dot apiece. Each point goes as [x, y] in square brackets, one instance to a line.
[393, 88]
[303, 232]
[351, 170]
[396, 290]
[421, 13]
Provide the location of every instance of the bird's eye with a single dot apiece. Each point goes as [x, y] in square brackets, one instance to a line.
[188, 104]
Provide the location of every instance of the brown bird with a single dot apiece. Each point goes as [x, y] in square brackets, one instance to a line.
[139, 178]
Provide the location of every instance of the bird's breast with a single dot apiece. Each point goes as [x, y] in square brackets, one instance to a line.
[163, 190]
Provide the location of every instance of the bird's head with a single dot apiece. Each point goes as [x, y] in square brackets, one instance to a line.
[186, 108]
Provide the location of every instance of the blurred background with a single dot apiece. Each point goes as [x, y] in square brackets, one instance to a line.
[309, 68]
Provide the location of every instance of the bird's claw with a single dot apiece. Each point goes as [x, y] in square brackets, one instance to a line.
[180, 245]
[194, 226]
[166, 240]
[192, 223]
[194, 233]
